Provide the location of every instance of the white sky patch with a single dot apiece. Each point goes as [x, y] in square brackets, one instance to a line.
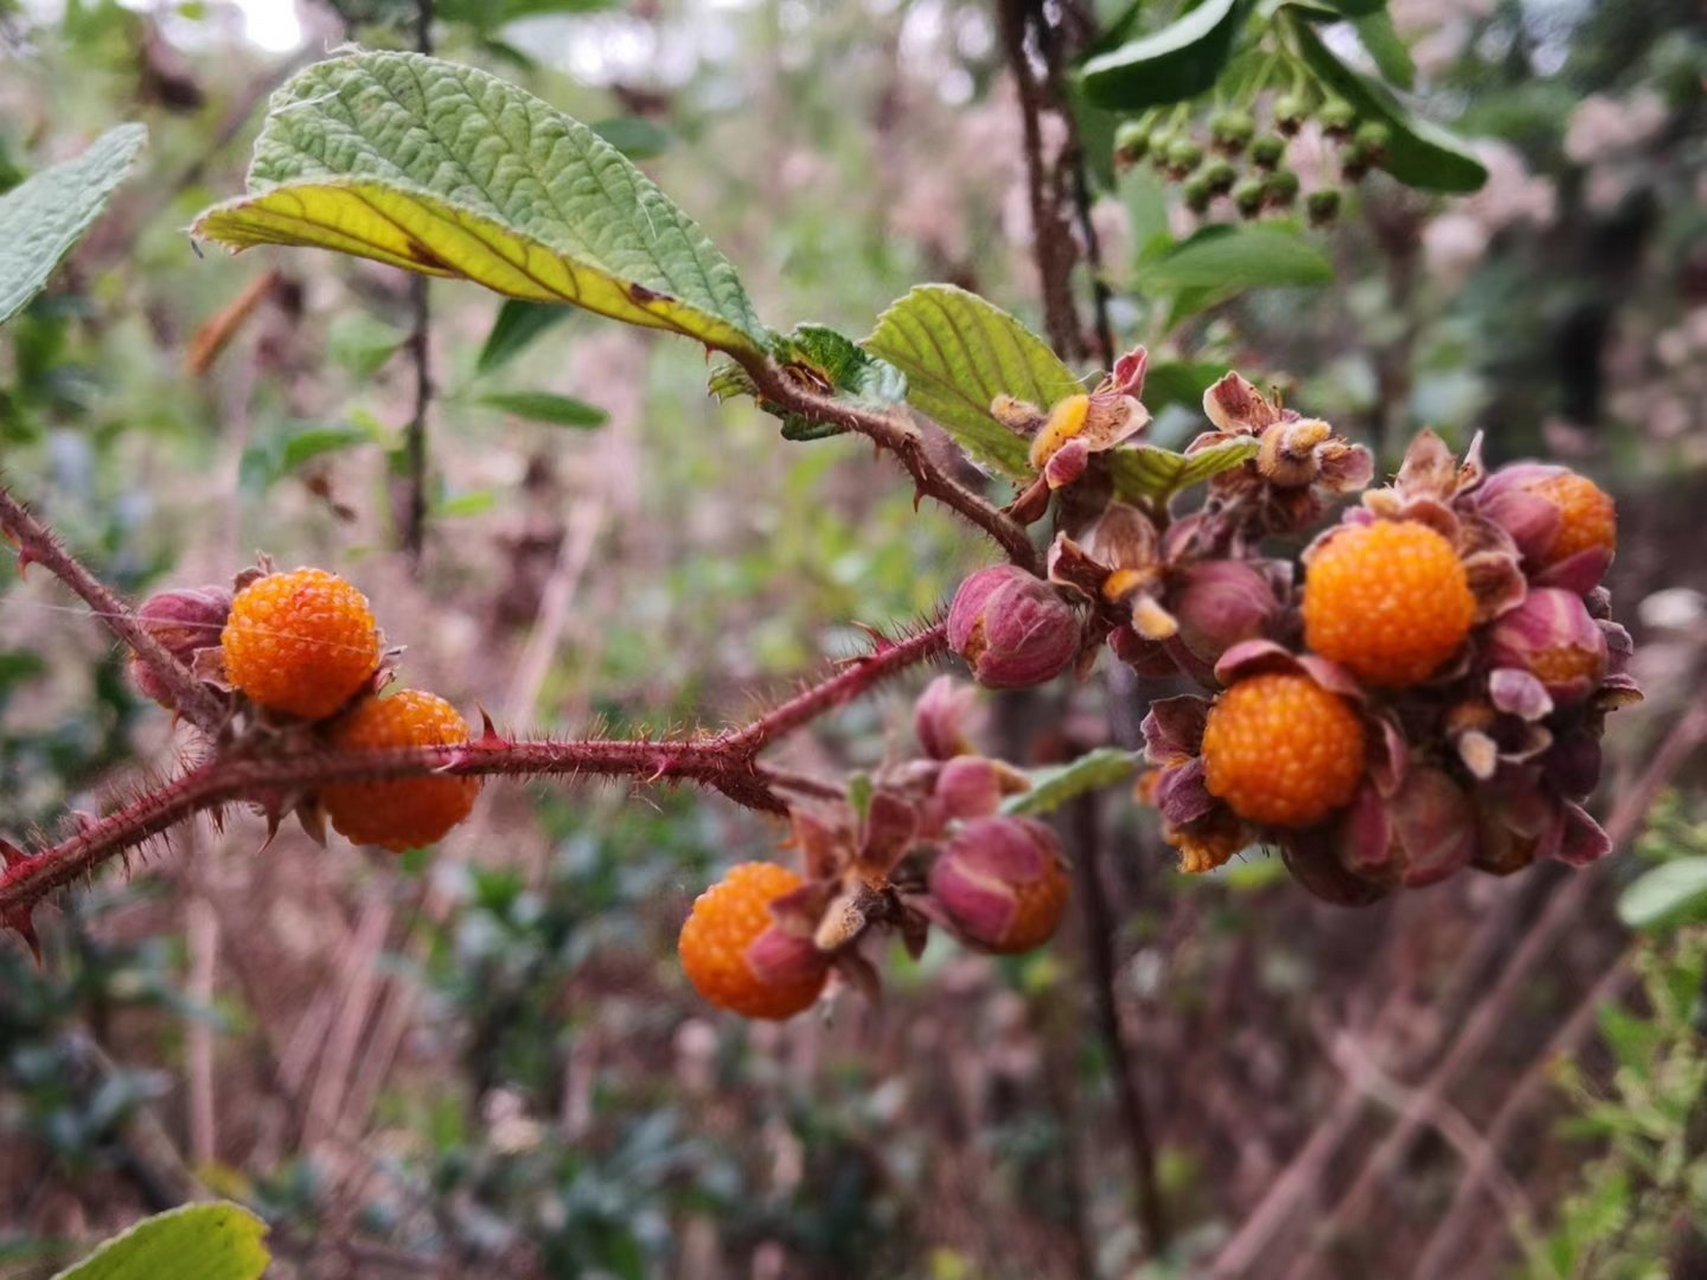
[271, 25]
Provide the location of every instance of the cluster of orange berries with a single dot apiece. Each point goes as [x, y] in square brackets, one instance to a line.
[302, 651]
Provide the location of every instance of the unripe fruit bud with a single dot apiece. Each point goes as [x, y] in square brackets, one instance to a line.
[1355, 162]
[1220, 603]
[1131, 143]
[185, 621]
[1184, 155]
[1373, 137]
[1280, 189]
[1231, 130]
[1268, 151]
[1198, 194]
[1551, 636]
[939, 718]
[1337, 117]
[1014, 630]
[1248, 197]
[1219, 177]
[1291, 110]
[1002, 883]
[1323, 206]
[1160, 141]
[1554, 515]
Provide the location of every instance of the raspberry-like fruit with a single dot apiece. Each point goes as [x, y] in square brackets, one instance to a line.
[1389, 600]
[1283, 751]
[737, 957]
[412, 812]
[301, 642]
[1588, 518]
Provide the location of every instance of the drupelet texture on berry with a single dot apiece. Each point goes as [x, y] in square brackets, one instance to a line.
[1283, 751]
[1588, 518]
[736, 956]
[301, 642]
[1391, 601]
[412, 812]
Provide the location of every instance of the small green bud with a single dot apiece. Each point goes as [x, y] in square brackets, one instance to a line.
[1356, 161]
[1197, 194]
[1131, 143]
[1231, 130]
[1268, 151]
[1280, 189]
[1291, 110]
[1323, 206]
[1248, 197]
[1373, 136]
[1160, 141]
[1184, 155]
[1337, 117]
[1219, 176]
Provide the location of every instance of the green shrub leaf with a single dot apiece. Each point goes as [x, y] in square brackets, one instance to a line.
[1055, 786]
[1664, 892]
[959, 353]
[196, 1242]
[547, 407]
[1418, 153]
[1178, 62]
[1146, 473]
[448, 171]
[827, 361]
[1227, 260]
[50, 212]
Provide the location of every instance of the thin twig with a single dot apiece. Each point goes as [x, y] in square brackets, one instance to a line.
[1099, 958]
[37, 544]
[420, 359]
[776, 387]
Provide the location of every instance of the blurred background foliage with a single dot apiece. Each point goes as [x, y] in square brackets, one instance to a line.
[485, 1061]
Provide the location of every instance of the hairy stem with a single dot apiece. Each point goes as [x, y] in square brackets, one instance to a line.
[37, 544]
[776, 387]
[724, 761]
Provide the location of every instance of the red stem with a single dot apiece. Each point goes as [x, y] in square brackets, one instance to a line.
[725, 762]
[37, 544]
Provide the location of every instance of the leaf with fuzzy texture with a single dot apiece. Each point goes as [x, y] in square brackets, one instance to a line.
[43, 217]
[828, 361]
[959, 353]
[449, 171]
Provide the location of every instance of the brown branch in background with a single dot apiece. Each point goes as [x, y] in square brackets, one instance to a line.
[1022, 24]
[37, 544]
[1100, 960]
[777, 388]
[213, 337]
[414, 513]
[723, 761]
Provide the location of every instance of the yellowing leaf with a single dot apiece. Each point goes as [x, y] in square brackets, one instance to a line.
[196, 1242]
[451, 172]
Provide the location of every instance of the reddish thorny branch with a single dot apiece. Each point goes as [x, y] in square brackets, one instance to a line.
[726, 761]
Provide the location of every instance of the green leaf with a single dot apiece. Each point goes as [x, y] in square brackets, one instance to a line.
[363, 344]
[196, 1242]
[1180, 382]
[1055, 786]
[1392, 56]
[1418, 153]
[1667, 891]
[829, 361]
[1228, 260]
[515, 329]
[278, 453]
[1178, 62]
[636, 138]
[449, 171]
[547, 407]
[48, 214]
[1145, 473]
[959, 353]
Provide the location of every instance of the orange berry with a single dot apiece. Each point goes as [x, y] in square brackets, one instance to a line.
[301, 642]
[1588, 518]
[412, 812]
[1282, 750]
[738, 959]
[1389, 600]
